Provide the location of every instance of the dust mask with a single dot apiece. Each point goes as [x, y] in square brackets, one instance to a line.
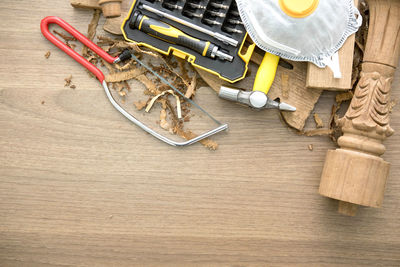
[301, 30]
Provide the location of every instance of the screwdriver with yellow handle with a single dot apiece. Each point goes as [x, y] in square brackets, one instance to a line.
[173, 35]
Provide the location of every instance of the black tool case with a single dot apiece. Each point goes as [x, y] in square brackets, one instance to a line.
[218, 16]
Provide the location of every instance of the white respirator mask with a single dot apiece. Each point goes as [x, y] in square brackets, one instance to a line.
[301, 30]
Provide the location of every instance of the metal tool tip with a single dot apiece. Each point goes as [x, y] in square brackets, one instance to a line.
[286, 107]
[224, 56]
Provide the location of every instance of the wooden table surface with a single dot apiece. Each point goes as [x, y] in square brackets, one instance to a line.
[80, 185]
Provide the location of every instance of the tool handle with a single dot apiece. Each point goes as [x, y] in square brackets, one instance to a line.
[44, 26]
[266, 73]
[171, 34]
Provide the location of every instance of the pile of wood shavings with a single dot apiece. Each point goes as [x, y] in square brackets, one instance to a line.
[179, 73]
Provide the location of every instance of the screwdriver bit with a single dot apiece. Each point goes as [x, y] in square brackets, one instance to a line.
[192, 14]
[234, 13]
[232, 30]
[216, 13]
[172, 6]
[194, 5]
[211, 22]
[218, 5]
[234, 21]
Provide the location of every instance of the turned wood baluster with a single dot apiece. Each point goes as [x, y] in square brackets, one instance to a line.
[355, 173]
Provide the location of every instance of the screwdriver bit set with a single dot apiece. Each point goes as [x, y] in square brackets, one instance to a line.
[207, 33]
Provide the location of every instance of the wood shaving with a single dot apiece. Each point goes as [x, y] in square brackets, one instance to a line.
[317, 132]
[66, 37]
[152, 87]
[91, 30]
[122, 44]
[310, 147]
[344, 97]
[68, 81]
[175, 121]
[285, 85]
[123, 76]
[47, 55]
[208, 143]
[319, 123]
[126, 66]
[110, 67]
[182, 66]
[140, 104]
[178, 102]
[333, 123]
[163, 121]
[127, 86]
[192, 87]
[72, 46]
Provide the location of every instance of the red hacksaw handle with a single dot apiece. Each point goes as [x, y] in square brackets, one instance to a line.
[44, 26]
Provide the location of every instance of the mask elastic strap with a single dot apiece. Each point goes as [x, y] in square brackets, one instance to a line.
[333, 63]
[358, 17]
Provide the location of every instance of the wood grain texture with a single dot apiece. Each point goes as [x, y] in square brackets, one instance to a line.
[80, 186]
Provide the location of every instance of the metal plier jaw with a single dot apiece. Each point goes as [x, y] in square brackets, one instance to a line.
[254, 99]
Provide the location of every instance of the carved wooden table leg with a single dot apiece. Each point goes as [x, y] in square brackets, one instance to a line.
[355, 173]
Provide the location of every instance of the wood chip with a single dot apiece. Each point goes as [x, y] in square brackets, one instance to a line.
[317, 132]
[318, 121]
[208, 143]
[152, 87]
[124, 76]
[122, 44]
[163, 120]
[140, 104]
[64, 36]
[310, 147]
[192, 87]
[68, 81]
[72, 46]
[182, 66]
[47, 55]
[91, 30]
[122, 93]
[344, 97]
